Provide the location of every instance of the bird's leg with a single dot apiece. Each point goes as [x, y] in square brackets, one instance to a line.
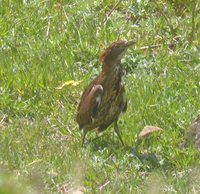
[118, 132]
[83, 139]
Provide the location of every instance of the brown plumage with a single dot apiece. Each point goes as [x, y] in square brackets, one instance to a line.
[104, 99]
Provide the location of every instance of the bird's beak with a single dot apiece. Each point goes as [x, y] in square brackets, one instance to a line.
[130, 43]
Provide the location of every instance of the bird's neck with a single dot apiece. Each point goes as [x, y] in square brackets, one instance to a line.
[111, 67]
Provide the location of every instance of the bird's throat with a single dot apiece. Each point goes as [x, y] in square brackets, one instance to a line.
[108, 68]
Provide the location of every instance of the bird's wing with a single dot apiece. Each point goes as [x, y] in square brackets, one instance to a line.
[89, 104]
[97, 97]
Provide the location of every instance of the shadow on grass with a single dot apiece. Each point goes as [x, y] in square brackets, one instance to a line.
[113, 146]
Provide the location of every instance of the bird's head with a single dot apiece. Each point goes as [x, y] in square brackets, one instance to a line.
[115, 51]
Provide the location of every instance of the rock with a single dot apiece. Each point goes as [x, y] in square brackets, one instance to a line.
[193, 134]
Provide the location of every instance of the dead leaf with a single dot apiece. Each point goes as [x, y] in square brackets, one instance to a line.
[69, 83]
[68, 189]
[147, 130]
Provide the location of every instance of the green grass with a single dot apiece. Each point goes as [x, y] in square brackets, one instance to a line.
[44, 44]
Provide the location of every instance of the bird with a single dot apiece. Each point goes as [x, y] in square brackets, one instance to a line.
[104, 99]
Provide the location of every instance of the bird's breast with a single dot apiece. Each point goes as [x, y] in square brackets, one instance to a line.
[113, 97]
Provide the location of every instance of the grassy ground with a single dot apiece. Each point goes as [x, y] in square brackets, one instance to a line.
[44, 44]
